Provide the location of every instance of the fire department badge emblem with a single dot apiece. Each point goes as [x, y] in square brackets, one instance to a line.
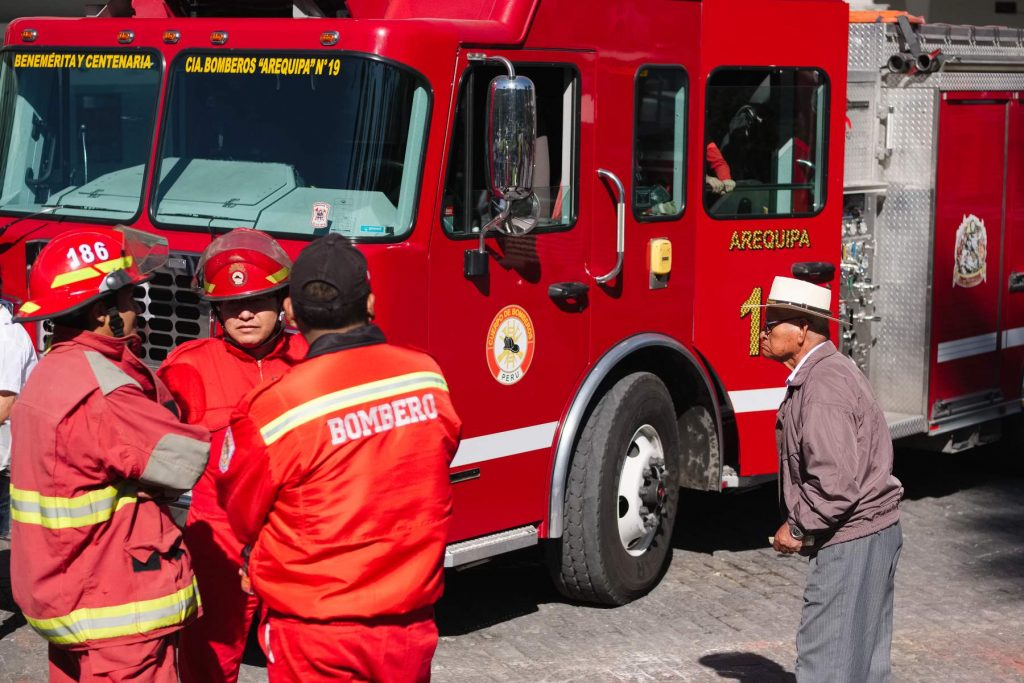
[970, 252]
[237, 274]
[226, 451]
[510, 344]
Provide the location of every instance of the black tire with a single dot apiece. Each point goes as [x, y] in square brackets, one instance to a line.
[591, 563]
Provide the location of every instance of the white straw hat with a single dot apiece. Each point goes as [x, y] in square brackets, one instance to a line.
[801, 296]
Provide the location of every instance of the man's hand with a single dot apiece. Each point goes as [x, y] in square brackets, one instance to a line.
[728, 185]
[714, 184]
[246, 583]
[784, 541]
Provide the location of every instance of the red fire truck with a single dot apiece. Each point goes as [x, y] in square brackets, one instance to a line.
[576, 210]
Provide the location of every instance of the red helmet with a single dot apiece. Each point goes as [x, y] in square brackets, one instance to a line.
[79, 267]
[241, 264]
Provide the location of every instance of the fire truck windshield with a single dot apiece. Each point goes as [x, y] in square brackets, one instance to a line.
[76, 129]
[295, 144]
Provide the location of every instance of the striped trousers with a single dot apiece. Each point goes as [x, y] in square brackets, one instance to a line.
[845, 631]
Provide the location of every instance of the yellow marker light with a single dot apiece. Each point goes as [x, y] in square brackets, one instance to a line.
[172, 37]
[219, 37]
[125, 37]
[661, 257]
[329, 38]
[29, 35]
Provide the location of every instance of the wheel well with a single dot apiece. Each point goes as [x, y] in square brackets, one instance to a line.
[688, 383]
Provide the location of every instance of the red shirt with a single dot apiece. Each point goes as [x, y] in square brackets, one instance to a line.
[337, 473]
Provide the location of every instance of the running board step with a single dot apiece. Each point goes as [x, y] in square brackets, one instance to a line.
[476, 549]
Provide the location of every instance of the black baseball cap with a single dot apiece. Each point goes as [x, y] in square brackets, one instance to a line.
[332, 260]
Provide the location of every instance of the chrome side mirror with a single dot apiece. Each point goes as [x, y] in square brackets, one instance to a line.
[511, 151]
[511, 147]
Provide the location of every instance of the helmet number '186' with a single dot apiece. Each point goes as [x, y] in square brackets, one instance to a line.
[87, 254]
[752, 307]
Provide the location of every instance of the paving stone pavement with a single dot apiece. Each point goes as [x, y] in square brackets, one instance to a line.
[728, 607]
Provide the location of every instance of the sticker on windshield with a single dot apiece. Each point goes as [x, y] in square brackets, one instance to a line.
[510, 344]
[321, 215]
[68, 60]
[373, 230]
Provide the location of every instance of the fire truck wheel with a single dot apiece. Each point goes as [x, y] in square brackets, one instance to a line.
[621, 497]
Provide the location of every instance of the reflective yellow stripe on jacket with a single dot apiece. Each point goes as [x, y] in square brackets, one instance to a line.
[346, 398]
[133, 618]
[54, 512]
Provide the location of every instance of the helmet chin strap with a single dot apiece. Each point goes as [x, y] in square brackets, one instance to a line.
[116, 322]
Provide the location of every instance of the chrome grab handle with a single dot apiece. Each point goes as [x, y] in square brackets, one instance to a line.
[620, 226]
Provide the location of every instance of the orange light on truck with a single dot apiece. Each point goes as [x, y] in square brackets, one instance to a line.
[328, 38]
[219, 37]
[29, 35]
[172, 37]
[125, 37]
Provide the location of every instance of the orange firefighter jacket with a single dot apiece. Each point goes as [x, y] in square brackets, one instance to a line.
[96, 560]
[337, 473]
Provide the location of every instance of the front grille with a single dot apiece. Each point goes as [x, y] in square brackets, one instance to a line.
[172, 311]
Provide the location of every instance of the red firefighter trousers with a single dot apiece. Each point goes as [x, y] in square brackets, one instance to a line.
[383, 650]
[152, 661]
[212, 646]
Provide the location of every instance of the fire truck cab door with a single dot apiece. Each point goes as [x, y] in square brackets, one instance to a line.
[512, 342]
[1012, 335]
[967, 287]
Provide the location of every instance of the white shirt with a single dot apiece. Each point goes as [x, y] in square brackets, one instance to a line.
[17, 358]
[792, 375]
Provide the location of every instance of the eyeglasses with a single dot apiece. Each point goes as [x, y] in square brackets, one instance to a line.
[772, 324]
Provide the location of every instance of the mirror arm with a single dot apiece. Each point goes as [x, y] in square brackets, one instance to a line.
[492, 224]
[481, 57]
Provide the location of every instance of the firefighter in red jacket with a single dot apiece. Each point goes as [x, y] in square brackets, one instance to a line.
[337, 475]
[97, 564]
[243, 274]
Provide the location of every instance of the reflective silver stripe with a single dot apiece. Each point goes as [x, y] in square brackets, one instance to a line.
[1014, 337]
[338, 400]
[52, 512]
[132, 618]
[964, 348]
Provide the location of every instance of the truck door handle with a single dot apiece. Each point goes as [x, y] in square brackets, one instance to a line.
[620, 226]
[1017, 282]
[568, 290]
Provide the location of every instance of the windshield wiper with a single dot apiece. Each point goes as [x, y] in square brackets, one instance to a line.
[206, 216]
[81, 207]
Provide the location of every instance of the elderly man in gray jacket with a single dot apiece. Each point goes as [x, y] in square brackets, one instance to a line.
[837, 491]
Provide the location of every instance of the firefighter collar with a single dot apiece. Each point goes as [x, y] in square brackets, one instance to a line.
[366, 335]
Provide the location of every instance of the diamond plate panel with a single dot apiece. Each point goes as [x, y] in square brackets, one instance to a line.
[913, 135]
[899, 370]
[867, 42]
[861, 167]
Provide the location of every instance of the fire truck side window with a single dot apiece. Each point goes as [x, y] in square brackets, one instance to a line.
[467, 204]
[765, 145]
[659, 147]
